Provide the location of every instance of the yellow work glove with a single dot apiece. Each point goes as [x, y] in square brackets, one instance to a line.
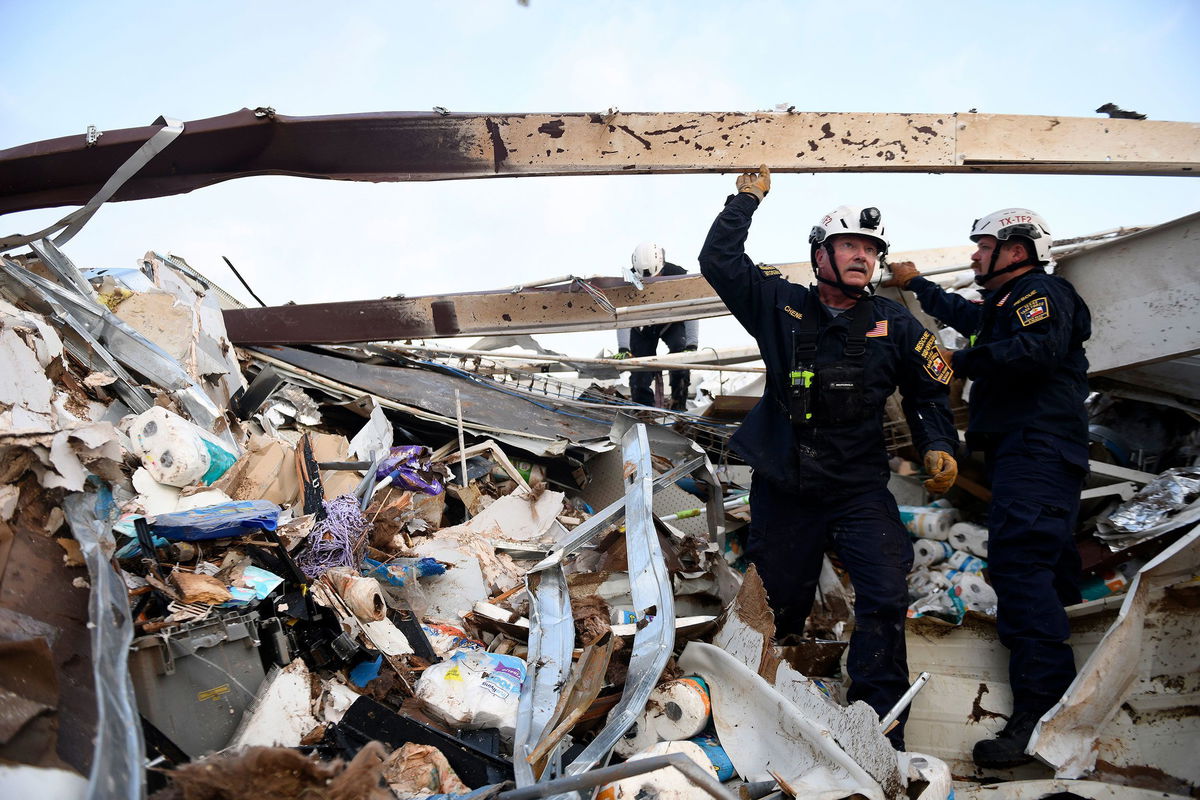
[902, 273]
[755, 183]
[942, 469]
[622, 354]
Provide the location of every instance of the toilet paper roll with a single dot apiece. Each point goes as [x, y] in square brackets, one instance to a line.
[639, 736]
[679, 709]
[661, 784]
[975, 593]
[970, 537]
[927, 552]
[361, 594]
[928, 522]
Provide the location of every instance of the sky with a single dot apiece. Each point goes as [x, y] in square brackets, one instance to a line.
[67, 65]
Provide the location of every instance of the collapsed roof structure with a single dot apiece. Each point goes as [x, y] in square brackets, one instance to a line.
[519, 588]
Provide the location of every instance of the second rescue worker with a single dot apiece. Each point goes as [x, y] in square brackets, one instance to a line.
[834, 354]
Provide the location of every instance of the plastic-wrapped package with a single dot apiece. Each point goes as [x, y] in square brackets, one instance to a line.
[408, 467]
[975, 593]
[970, 537]
[474, 689]
[941, 604]
[962, 561]
[176, 452]
[928, 522]
[1163, 496]
[927, 552]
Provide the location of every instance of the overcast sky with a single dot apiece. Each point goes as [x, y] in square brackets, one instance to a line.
[116, 64]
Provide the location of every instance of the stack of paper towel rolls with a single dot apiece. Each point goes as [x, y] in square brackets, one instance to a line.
[970, 537]
[928, 522]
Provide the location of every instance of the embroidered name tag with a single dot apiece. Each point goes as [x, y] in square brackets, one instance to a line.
[793, 312]
[1034, 311]
[768, 270]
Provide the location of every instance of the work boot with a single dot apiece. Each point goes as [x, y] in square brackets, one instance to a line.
[1008, 748]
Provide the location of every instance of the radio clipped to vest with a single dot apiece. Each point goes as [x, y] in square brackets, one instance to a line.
[831, 394]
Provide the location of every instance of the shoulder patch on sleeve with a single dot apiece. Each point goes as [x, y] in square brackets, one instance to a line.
[934, 364]
[768, 270]
[1034, 311]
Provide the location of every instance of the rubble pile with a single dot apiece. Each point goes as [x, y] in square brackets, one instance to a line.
[360, 572]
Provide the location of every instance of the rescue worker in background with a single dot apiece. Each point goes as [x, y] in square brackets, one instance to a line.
[1027, 416]
[648, 261]
[834, 353]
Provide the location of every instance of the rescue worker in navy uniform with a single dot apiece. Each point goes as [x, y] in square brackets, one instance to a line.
[648, 261]
[834, 354]
[1027, 416]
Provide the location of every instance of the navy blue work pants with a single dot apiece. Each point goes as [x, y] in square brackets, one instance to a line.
[789, 536]
[643, 341]
[1033, 563]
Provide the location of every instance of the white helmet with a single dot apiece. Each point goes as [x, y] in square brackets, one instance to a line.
[648, 259]
[1009, 222]
[865, 221]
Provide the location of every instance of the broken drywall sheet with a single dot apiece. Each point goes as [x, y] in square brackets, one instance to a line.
[748, 625]
[520, 518]
[282, 712]
[499, 570]
[855, 728]
[453, 593]
[763, 732]
[1131, 652]
[26, 394]
[210, 355]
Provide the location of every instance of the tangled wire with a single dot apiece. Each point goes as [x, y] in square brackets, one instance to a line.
[339, 540]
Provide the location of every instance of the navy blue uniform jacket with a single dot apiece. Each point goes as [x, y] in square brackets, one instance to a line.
[831, 462]
[1027, 361]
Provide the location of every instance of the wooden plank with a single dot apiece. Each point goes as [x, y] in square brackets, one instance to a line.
[408, 146]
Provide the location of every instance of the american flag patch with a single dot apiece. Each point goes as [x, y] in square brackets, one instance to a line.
[880, 329]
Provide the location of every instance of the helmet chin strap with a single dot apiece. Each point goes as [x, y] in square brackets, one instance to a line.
[992, 272]
[852, 292]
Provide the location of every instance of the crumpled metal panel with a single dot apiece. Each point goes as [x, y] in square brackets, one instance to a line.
[132, 349]
[653, 599]
[434, 391]
[1146, 321]
[76, 339]
[1144, 670]
[551, 641]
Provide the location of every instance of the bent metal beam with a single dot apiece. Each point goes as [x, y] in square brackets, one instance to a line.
[411, 146]
[559, 308]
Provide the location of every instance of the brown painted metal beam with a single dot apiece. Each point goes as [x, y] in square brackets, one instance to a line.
[554, 309]
[410, 146]
[546, 309]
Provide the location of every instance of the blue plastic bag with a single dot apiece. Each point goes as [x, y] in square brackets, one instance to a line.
[217, 522]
